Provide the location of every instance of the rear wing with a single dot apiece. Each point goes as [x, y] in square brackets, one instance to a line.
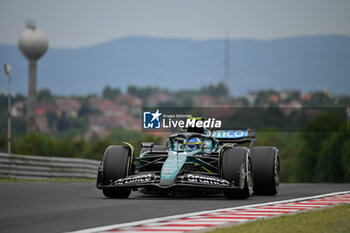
[234, 135]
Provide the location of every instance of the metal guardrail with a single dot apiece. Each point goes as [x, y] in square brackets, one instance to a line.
[41, 167]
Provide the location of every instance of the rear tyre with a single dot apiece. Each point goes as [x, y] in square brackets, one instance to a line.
[266, 170]
[116, 164]
[235, 162]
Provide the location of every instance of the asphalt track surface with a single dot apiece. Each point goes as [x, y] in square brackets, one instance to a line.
[60, 207]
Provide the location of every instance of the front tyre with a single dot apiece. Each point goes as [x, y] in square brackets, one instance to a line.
[116, 165]
[237, 169]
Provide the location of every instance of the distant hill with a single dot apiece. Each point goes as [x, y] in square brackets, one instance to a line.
[305, 63]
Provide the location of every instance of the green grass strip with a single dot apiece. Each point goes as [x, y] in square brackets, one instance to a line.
[334, 219]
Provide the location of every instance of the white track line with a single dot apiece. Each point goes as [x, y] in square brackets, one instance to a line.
[156, 220]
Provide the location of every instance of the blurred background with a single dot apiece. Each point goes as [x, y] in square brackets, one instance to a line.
[107, 59]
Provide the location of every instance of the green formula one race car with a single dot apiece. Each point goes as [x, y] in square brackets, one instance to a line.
[193, 161]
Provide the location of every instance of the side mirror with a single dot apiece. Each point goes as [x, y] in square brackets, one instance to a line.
[168, 144]
[147, 145]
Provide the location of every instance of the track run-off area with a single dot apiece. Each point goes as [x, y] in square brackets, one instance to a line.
[65, 207]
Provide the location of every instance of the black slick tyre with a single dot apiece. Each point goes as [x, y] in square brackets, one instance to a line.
[235, 162]
[116, 165]
[266, 170]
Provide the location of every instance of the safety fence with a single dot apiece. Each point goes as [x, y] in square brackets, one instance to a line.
[41, 167]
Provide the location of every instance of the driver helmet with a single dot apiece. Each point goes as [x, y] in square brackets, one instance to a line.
[194, 143]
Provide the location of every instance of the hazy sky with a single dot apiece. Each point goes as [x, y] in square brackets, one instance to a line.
[78, 23]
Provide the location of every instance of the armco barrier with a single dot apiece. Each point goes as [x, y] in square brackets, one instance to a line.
[41, 167]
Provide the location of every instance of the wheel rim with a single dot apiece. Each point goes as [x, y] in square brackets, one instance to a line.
[128, 166]
[249, 178]
[277, 173]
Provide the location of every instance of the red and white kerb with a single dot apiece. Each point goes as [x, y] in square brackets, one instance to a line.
[205, 219]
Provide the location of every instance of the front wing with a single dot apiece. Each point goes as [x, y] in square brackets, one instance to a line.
[188, 180]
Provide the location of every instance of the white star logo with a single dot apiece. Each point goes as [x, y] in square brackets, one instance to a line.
[156, 115]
